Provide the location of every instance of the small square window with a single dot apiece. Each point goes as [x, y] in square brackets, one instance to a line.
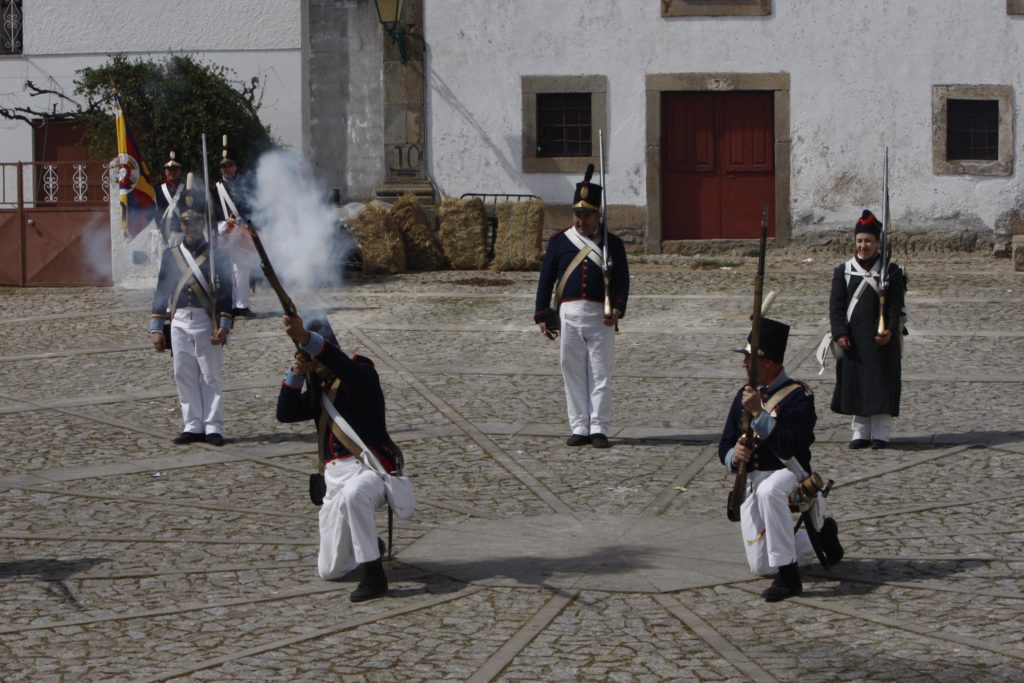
[563, 125]
[561, 119]
[972, 129]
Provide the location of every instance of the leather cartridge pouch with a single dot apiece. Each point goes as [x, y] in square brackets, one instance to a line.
[167, 337]
[552, 321]
[317, 488]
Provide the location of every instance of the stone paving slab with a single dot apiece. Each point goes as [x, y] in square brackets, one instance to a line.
[127, 558]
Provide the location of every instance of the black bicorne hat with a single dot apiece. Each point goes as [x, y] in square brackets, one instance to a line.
[774, 336]
[868, 223]
[588, 194]
[317, 322]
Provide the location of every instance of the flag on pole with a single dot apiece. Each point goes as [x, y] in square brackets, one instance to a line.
[138, 198]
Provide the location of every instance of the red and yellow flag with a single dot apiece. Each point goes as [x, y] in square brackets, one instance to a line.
[138, 198]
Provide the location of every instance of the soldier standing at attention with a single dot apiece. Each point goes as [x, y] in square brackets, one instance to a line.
[189, 296]
[572, 269]
[868, 375]
[168, 202]
[232, 211]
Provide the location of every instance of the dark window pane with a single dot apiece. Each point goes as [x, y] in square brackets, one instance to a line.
[972, 130]
[10, 27]
[563, 125]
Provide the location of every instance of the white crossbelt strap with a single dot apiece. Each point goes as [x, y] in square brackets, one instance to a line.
[581, 242]
[366, 456]
[227, 205]
[200, 278]
[172, 201]
[868, 278]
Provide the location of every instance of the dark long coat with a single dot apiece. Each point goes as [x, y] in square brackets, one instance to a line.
[868, 376]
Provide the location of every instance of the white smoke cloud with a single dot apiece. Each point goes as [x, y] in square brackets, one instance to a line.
[298, 226]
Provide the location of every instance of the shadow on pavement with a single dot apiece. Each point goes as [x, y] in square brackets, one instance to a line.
[53, 573]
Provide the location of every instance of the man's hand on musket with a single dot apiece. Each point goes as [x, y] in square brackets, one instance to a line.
[884, 338]
[220, 338]
[741, 453]
[543, 327]
[304, 365]
[294, 328]
[158, 341]
[752, 401]
[614, 320]
[844, 343]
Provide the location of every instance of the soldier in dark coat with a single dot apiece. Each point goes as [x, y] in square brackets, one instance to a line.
[170, 202]
[868, 373]
[572, 268]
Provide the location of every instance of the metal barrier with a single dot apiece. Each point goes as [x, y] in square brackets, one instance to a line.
[490, 201]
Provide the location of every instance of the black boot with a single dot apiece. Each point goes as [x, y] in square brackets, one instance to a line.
[373, 584]
[786, 584]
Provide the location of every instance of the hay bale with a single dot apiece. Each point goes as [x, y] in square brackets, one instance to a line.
[518, 244]
[464, 232]
[422, 248]
[379, 240]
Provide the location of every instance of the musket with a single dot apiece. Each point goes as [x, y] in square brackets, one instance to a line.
[606, 267]
[739, 486]
[211, 234]
[883, 278]
[312, 379]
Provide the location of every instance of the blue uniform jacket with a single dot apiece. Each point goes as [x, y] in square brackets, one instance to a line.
[360, 400]
[586, 281]
[170, 275]
[791, 435]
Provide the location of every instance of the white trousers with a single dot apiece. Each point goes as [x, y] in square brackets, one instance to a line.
[587, 360]
[348, 533]
[198, 368]
[869, 427]
[767, 523]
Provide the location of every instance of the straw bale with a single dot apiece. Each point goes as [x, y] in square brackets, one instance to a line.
[379, 240]
[518, 244]
[464, 232]
[422, 248]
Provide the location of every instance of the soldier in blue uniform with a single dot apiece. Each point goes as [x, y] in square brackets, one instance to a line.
[232, 211]
[169, 202]
[572, 269]
[348, 536]
[187, 296]
[782, 419]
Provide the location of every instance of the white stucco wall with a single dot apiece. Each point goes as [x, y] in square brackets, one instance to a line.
[861, 74]
[251, 37]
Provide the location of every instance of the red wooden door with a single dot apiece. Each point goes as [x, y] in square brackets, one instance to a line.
[718, 166]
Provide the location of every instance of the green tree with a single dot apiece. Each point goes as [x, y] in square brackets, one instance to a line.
[169, 104]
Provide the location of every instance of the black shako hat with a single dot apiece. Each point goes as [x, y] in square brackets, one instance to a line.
[317, 322]
[588, 194]
[774, 336]
[868, 223]
[171, 161]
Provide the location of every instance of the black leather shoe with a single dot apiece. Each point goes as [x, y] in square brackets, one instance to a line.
[578, 440]
[599, 441]
[373, 584]
[857, 444]
[878, 444]
[786, 584]
[244, 313]
[215, 439]
[189, 437]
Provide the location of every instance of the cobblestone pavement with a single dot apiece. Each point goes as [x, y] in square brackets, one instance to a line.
[123, 557]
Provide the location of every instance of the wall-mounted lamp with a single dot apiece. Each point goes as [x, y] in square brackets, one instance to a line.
[388, 12]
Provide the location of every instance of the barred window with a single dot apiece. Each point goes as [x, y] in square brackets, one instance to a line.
[10, 27]
[563, 125]
[972, 129]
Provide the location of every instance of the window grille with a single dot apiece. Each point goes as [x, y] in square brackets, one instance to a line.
[10, 27]
[972, 129]
[564, 125]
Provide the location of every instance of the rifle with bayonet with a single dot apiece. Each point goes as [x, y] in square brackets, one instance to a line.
[739, 487]
[886, 257]
[606, 267]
